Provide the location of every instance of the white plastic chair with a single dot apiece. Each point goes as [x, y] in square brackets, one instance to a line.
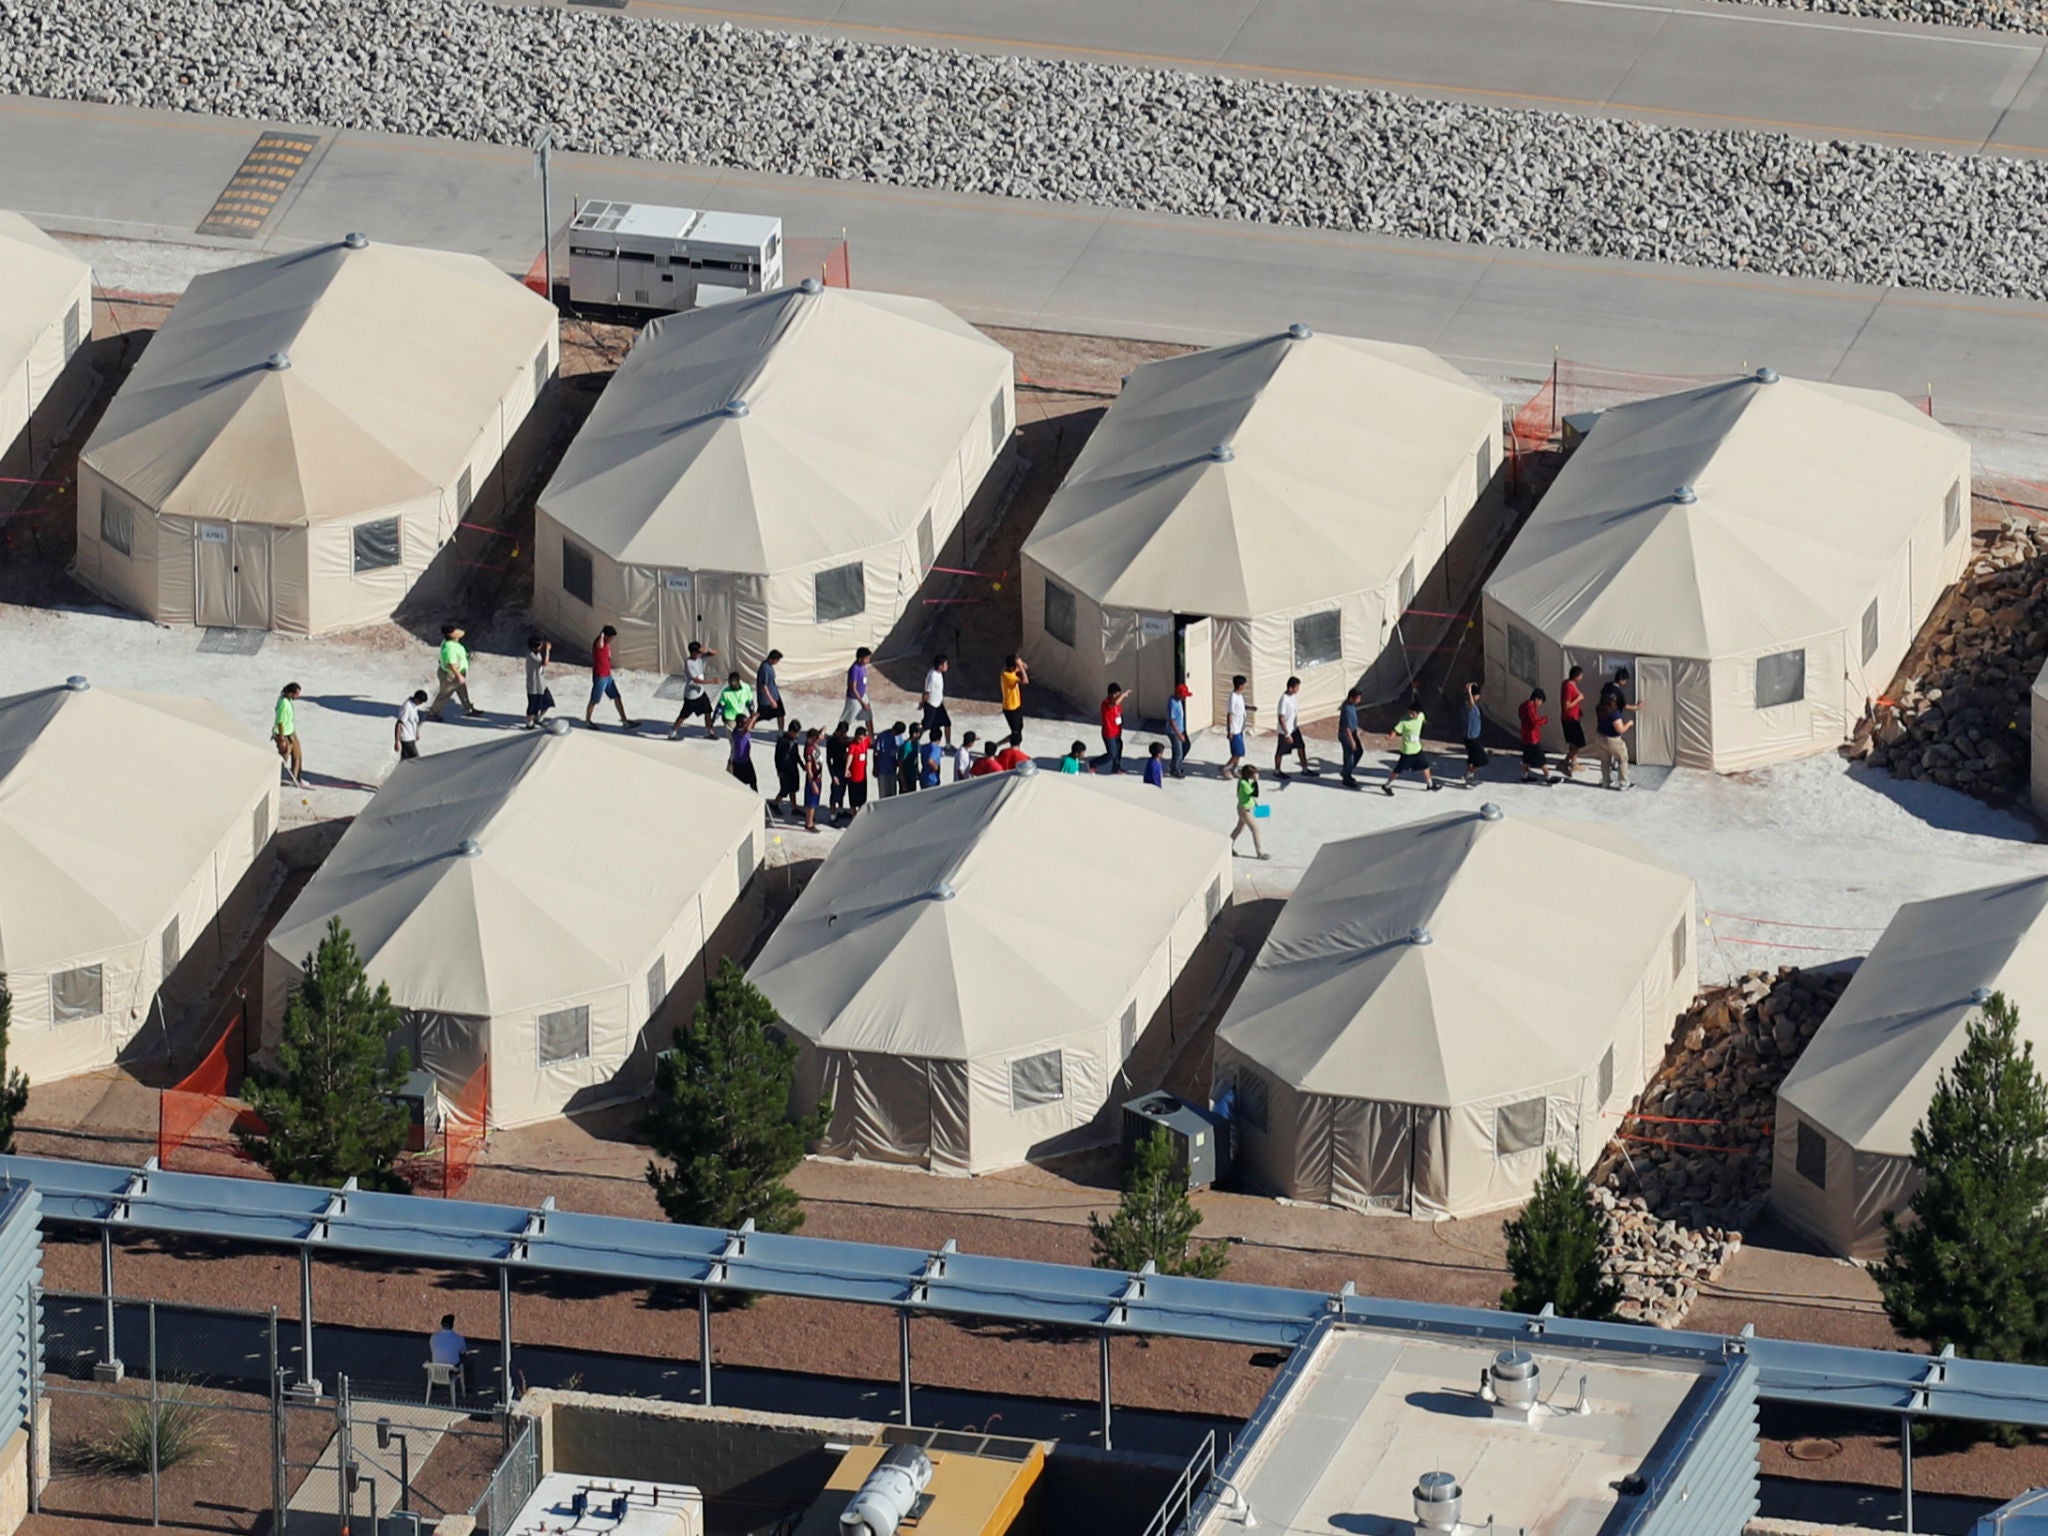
[439, 1375]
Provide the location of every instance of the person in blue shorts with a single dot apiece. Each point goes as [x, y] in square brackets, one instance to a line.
[1234, 723]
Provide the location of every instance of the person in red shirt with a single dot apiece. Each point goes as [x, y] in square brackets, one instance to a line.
[601, 684]
[985, 764]
[1535, 769]
[1112, 759]
[857, 751]
[1573, 700]
[1013, 755]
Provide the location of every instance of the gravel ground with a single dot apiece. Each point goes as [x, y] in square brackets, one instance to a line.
[1997, 15]
[1058, 130]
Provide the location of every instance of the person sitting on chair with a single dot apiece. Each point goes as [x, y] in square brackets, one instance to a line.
[447, 1347]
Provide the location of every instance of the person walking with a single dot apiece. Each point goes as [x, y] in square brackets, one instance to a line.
[602, 686]
[1288, 731]
[855, 708]
[1475, 730]
[835, 767]
[1015, 674]
[284, 732]
[739, 760]
[696, 693]
[1351, 737]
[539, 652]
[1177, 742]
[734, 700]
[789, 768]
[1112, 759]
[1235, 715]
[1155, 765]
[768, 692]
[858, 752]
[910, 763]
[1571, 702]
[932, 759]
[933, 700]
[1612, 725]
[888, 759]
[963, 757]
[1411, 758]
[1531, 720]
[452, 667]
[1248, 810]
[405, 730]
[814, 777]
[1076, 758]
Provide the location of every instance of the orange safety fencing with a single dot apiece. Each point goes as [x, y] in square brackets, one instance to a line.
[444, 1165]
[198, 1117]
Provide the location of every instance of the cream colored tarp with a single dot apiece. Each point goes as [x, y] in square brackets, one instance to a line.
[2038, 775]
[1298, 492]
[304, 434]
[777, 472]
[1847, 1110]
[1762, 615]
[535, 902]
[127, 822]
[974, 965]
[1441, 1002]
[45, 324]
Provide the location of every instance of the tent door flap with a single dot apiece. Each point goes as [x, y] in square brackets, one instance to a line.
[1195, 642]
[1657, 719]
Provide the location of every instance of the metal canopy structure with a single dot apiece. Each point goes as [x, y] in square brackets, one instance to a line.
[543, 1241]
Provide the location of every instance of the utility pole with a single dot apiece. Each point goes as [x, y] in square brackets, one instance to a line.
[543, 152]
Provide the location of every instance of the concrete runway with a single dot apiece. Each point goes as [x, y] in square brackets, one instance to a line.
[1693, 62]
[119, 172]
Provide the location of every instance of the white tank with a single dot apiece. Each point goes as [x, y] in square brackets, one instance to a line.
[889, 1495]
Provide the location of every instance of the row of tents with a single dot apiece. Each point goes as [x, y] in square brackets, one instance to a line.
[977, 975]
[305, 436]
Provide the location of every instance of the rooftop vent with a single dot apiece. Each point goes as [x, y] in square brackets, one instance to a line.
[1767, 375]
[1516, 1379]
[557, 727]
[943, 891]
[1420, 935]
[1299, 332]
[1223, 453]
[76, 684]
[1685, 495]
[1978, 995]
[1491, 812]
[469, 848]
[277, 362]
[890, 1494]
[737, 407]
[1026, 769]
[355, 240]
[1438, 1500]
[810, 285]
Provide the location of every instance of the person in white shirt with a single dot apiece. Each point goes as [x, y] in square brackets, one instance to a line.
[933, 700]
[447, 1347]
[1234, 722]
[963, 757]
[1288, 730]
[405, 731]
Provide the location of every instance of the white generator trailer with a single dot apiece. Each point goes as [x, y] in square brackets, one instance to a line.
[639, 256]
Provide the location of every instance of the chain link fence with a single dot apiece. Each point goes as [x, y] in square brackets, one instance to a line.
[510, 1486]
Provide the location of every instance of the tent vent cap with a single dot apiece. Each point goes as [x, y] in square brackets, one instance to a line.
[1978, 995]
[943, 891]
[558, 727]
[1438, 1501]
[1223, 453]
[1685, 495]
[1299, 332]
[1767, 375]
[76, 684]
[1025, 769]
[1420, 935]
[355, 240]
[810, 285]
[1491, 812]
[737, 407]
[470, 848]
[277, 362]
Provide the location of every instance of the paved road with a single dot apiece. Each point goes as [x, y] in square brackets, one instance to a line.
[1686, 61]
[112, 171]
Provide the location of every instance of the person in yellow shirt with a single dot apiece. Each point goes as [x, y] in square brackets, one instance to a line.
[284, 731]
[1016, 673]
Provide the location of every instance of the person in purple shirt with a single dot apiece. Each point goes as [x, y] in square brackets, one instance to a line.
[1155, 766]
[741, 763]
[856, 710]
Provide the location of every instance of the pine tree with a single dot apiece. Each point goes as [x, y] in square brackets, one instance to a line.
[13, 1084]
[1155, 1220]
[1971, 1269]
[721, 1114]
[1554, 1249]
[330, 1111]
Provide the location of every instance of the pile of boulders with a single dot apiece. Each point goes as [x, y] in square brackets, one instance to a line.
[1966, 721]
[1678, 1194]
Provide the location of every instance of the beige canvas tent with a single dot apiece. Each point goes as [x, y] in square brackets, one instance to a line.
[1441, 1003]
[1759, 553]
[1270, 508]
[302, 438]
[1846, 1112]
[979, 973]
[2038, 734]
[46, 377]
[134, 842]
[546, 904]
[780, 472]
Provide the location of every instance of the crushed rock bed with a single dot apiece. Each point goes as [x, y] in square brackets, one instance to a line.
[1996, 15]
[1059, 130]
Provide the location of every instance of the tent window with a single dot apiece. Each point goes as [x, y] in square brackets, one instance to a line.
[1254, 1098]
[842, 592]
[1212, 903]
[540, 371]
[657, 985]
[564, 1035]
[75, 994]
[1870, 632]
[1318, 638]
[117, 523]
[1522, 655]
[377, 545]
[1812, 1156]
[1059, 612]
[926, 550]
[71, 330]
[576, 572]
[1130, 1028]
[167, 958]
[1606, 1084]
[1780, 678]
[1520, 1127]
[998, 424]
[1482, 470]
[748, 864]
[1678, 947]
[465, 492]
[1036, 1080]
[260, 826]
[1407, 587]
[1952, 513]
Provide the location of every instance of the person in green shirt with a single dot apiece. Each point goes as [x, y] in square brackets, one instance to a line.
[284, 731]
[735, 701]
[453, 668]
[1247, 810]
[1076, 756]
[1412, 759]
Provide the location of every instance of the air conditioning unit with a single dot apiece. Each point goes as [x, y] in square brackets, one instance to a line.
[1200, 1137]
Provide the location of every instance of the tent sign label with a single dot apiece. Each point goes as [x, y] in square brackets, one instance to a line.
[212, 533]
[1153, 625]
[675, 582]
[254, 191]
